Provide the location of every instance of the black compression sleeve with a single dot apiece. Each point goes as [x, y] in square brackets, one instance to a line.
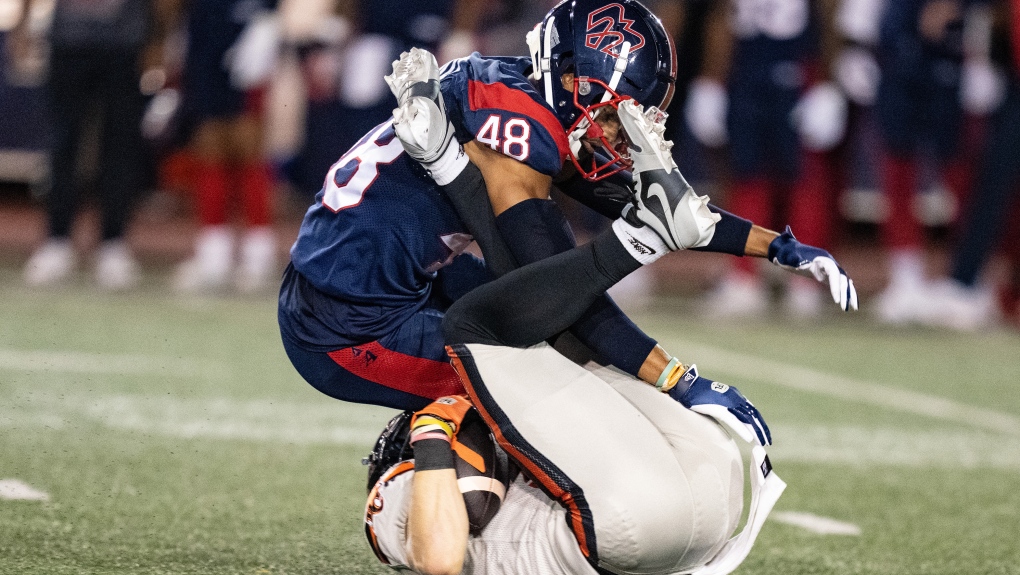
[539, 300]
[730, 234]
[470, 199]
[536, 229]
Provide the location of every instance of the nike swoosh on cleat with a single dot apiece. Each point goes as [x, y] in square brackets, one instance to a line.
[659, 192]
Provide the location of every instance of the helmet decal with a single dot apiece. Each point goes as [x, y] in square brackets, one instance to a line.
[602, 24]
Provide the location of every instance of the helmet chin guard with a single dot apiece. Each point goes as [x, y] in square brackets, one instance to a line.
[615, 158]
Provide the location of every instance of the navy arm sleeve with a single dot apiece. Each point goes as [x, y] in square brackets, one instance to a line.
[730, 235]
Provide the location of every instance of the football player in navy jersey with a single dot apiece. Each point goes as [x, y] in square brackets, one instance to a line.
[379, 256]
[764, 92]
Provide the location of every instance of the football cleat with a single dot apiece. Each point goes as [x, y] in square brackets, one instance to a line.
[51, 264]
[420, 120]
[416, 73]
[664, 201]
[423, 129]
[116, 268]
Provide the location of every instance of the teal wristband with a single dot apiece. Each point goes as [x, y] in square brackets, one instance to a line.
[665, 373]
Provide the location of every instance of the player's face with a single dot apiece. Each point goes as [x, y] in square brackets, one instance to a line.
[606, 117]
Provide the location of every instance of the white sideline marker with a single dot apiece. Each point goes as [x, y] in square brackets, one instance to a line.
[815, 523]
[19, 490]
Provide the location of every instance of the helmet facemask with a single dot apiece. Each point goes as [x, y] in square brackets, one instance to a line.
[586, 130]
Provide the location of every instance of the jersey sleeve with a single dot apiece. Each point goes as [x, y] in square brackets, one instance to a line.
[496, 106]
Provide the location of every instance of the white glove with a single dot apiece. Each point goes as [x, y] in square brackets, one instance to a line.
[705, 112]
[253, 57]
[982, 87]
[858, 74]
[820, 117]
[786, 252]
[363, 65]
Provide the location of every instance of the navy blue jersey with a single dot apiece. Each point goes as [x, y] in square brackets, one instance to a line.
[491, 100]
[375, 237]
[213, 27]
[371, 245]
[771, 31]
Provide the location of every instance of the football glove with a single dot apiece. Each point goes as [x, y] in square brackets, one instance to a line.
[706, 111]
[723, 403]
[253, 57]
[665, 202]
[440, 419]
[786, 252]
[820, 117]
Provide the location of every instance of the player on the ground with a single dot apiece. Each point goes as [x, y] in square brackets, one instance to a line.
[663, 495]
[379, 256]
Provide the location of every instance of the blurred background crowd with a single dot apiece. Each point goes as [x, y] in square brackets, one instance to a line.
[887, 131]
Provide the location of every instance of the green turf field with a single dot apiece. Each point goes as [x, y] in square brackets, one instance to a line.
[173, 436]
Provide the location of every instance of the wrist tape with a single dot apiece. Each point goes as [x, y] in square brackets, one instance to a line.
[432, 453]
[431, 441]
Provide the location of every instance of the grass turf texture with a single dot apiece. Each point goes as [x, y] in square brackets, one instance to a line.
[173, 436]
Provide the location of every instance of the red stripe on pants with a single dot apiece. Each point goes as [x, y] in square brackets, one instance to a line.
[810, 205]
[415, 375]
[211, 187]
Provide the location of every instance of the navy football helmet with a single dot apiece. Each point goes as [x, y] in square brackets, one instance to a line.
[616, 50]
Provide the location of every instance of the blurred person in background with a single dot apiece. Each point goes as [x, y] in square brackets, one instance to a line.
[231, 55]
[960, 301]
[919, 109]
[764, 90]
[97, 51]
[344, 56]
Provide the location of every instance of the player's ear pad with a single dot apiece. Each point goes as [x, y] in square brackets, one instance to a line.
[483, 471]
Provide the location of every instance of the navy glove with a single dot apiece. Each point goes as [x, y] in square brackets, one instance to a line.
[723, 403]
[787, 253]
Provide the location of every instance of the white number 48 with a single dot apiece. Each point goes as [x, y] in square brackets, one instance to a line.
[512, 139]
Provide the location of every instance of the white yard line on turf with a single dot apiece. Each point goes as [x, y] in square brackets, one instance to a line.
[19, 490]
[327, 422]
[815, 523]
[805, 379]
[103, 363]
